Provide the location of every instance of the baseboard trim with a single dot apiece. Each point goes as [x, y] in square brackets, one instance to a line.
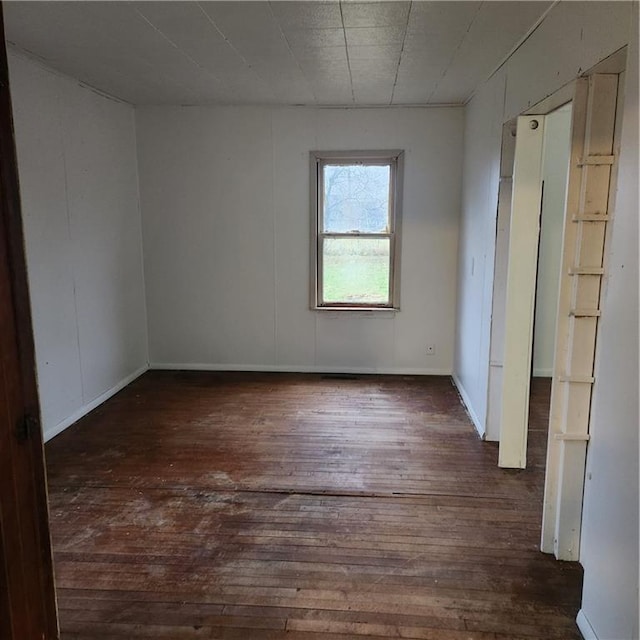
[202, 366]
[51, 432]
[585, 626]
[467, 403]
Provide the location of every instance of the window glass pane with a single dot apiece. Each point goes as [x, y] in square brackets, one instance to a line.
[355, 270]
[356, 198]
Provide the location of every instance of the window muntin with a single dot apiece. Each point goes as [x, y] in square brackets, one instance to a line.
[356, 215]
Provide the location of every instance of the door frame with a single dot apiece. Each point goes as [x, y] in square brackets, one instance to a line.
[561, 520]
[590, 204]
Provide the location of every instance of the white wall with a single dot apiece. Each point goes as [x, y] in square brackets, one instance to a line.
[481, 173]
[573, 37]
[78, 183]
[226, 224]
[555, 168]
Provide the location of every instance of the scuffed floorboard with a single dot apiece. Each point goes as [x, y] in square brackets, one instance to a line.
[268, 506]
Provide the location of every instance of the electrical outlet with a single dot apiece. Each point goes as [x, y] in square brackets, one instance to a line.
[431, 349]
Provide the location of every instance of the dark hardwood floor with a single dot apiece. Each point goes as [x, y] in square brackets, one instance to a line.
[255, 506]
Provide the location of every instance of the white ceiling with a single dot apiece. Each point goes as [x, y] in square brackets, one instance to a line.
[283, 52]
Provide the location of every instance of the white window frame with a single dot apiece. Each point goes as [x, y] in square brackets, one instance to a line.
[318, 159]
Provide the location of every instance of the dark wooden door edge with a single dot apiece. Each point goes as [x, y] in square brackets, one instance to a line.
[26, 455]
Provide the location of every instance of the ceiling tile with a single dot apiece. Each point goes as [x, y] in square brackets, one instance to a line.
[37, 26]
[335, 98]
[277, 52]
[380, 52]
[373, 67]
[188, 28]
[446, 17]
[217, 58]
[126, 27]
[375, 14]
[306, 39]
[333, 95]
[250, 25]
[373, 86]
[497, 28]
[411, 94]
[116, 83]
[322, 56]
[416, 68]
[326, 69]
[269, 46]
[415, 82]
[431, 43]
[368, 36]
[373, 93]
[104, 41]
[182, 22]
[247, 86]
[286, 79]
[444, 94]
[340, 81]
[307, 15]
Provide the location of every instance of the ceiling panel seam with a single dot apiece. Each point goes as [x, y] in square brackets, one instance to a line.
[404, 38]
[295, 59]
[517, 46]
[455, 53]
[177, 48]
[229, 43]
[344, 35]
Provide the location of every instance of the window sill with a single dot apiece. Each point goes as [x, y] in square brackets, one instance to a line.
[363, 311]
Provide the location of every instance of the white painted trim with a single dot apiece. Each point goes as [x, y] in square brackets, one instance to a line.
[293, 368]
[585, 626]
[524, 233]
[594, 132]
[80, 413]
[468, 406]
[543, 373]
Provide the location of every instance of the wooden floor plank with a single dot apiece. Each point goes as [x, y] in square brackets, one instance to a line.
[261, 506]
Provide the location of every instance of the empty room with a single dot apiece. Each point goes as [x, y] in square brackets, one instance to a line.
[319, 320]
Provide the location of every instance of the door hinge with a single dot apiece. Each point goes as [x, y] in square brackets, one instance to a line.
[26, 427]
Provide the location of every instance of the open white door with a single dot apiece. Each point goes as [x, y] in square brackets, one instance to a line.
[521, 290]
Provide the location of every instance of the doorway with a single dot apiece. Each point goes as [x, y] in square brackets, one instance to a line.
[524, 262]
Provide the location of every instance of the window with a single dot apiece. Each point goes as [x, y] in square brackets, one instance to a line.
[356, 219]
